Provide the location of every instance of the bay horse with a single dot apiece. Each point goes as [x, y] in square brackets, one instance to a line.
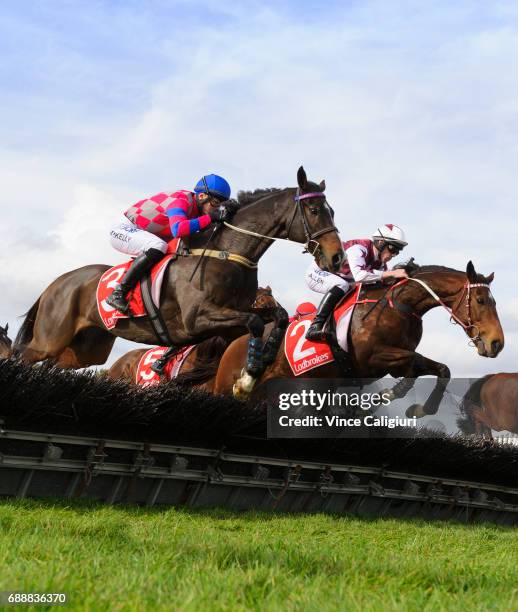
[200, 366]
[5, 342]
[490, 403]
[384, 334]
[64, 325]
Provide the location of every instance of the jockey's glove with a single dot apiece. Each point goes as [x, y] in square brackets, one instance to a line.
[216, 216]
[231, 207]
[225, 212]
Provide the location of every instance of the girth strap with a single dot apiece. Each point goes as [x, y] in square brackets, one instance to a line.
[155, 316]
[225, 255]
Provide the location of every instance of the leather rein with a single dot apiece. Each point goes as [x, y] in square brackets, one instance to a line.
[388, 299]
[311, 245]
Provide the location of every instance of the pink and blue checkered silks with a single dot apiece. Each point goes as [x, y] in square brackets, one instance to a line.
[168, 215]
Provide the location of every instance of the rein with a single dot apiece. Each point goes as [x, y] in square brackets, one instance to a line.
[311, 245]
[466, 290]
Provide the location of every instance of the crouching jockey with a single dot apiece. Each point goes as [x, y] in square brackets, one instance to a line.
[146, 227]
[365, 262]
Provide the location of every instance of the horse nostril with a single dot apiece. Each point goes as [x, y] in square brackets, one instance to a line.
[496, 346]
[336, 260]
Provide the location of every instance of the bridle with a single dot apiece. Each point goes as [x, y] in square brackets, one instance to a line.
[454, 317]
[311, 245]
[470, 325]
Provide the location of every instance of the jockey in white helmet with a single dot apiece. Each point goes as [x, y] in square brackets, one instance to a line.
[365, 262]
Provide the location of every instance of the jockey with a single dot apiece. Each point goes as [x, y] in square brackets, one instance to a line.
[146, 227]
[365, 262]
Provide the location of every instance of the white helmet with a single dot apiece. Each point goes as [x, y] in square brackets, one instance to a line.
[390, 234]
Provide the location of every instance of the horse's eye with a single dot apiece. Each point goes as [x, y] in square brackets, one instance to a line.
[314, 211]
[480, 300]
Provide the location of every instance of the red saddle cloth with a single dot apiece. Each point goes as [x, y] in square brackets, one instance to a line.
[145, 377]
[304, 355]
[112, 277]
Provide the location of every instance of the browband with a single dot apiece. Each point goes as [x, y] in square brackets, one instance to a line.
[305, 196]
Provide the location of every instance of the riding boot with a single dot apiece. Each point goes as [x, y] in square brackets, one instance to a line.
[316, 331]
[139, 266]
[159, 365]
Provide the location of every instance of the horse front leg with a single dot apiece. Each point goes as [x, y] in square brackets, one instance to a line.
[411, 365]
[254, 359]
[429, 367]
[220, 321]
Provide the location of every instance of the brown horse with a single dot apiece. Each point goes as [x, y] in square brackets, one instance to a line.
[383, 335]
[490, 403]
[5, 342]
[197, 370]
[200, 366]
[64, 325]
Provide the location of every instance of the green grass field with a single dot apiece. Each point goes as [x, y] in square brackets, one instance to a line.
[133, 559]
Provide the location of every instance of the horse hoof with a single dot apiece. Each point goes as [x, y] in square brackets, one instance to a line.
[415, 410]
[243, 386]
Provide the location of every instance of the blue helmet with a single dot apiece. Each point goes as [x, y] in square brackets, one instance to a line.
[213, 185]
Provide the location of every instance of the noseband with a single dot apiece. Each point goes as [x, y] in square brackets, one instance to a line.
[466, 290]
[311, 245]
[454, 317]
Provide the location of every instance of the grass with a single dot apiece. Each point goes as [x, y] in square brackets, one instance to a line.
[133, 559]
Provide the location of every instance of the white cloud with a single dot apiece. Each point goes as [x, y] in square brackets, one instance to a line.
[408, 113]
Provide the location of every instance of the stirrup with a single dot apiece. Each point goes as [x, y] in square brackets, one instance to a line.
[117, 300]
[317, 335]
[160, 364]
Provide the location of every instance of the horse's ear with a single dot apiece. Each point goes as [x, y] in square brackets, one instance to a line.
[490, 278]
[302, 179]
[7, 324]
[470, 272]
[268, 288]
[323, 185]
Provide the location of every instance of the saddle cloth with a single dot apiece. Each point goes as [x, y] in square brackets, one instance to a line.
[145, 377]
[112, 277]
[304, 355]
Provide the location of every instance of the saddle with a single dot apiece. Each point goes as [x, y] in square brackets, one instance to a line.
[144, 299]
[304, 355]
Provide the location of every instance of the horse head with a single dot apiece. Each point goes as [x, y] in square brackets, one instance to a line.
[477, 307]
[315, 226]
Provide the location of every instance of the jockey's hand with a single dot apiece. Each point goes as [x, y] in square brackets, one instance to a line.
[394, 274]
[216, 215]
[231, 207]
[224, 212]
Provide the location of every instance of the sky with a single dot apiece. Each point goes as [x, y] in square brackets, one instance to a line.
[409, 110]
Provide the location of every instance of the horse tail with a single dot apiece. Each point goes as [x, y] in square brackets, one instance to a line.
[25, 333]
[208, 355]
[470, 401]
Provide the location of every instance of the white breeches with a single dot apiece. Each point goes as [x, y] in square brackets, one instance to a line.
[320, 281]
[128, 238]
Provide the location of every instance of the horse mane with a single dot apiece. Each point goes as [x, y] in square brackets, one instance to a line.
[248, 197]
[416, 270]
[432, 268]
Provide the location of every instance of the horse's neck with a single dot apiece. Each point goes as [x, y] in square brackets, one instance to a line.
[446, 286]
[267, 216]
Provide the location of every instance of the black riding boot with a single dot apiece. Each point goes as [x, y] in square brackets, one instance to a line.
[316, 331]
[139, 266]
[161, 362]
